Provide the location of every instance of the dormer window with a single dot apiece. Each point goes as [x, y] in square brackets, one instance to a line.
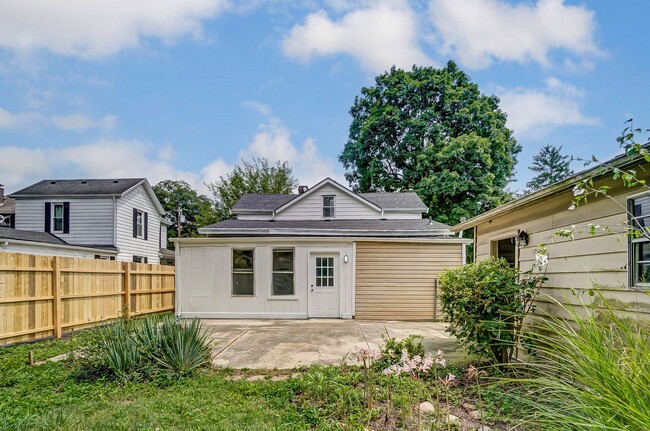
[328, 206]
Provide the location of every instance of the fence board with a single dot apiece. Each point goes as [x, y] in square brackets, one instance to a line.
[45, 296]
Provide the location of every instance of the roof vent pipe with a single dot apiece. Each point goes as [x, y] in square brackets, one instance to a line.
[302, 189]
[2, 193]
[430, 221]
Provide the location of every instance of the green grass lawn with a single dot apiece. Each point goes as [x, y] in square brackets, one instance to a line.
[52, 397]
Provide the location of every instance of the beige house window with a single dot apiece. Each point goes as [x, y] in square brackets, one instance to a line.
[639, 250]
[243, 278]
[328, 207]
[283, 279]
[506, 248]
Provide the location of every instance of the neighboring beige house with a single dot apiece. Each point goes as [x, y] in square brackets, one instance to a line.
[620, 267]
[324, 252]
[116, 219]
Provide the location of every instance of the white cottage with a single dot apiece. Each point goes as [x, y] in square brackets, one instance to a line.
[324, 252]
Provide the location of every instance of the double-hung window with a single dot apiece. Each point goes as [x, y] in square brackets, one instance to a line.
[243, 278]
[282, 272]
[328, 207]
[639, 268]
[57, 218]
[139, 224]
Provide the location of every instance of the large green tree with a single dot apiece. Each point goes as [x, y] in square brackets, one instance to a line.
[550, 165]
[197, 209]
[432, 131]
[255, 176]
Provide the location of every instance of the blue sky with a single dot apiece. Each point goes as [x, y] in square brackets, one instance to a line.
[183, 90]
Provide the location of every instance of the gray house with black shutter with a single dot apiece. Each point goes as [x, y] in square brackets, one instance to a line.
[118, 219]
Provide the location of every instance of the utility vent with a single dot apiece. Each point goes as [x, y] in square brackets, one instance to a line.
[52, 182]
[115, 181]
[84, 181]
[302, 189]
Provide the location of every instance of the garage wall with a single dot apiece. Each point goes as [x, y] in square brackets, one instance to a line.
[396, 281]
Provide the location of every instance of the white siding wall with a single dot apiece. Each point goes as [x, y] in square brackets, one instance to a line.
[310, 207]
[267, 216]
[127, 244]
[40, 250]
[91, 220]
[204, 281]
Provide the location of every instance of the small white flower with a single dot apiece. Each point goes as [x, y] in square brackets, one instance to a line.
[541, 260]
[577, 191]
[572, 207]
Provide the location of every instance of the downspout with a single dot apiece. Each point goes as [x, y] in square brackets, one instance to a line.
[273, 217]
[382, 213]
[115, 223]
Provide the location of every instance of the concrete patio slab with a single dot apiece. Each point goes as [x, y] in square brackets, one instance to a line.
[287, 344]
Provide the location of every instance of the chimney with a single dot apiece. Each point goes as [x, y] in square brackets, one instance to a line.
[2, 193]
[302, 189]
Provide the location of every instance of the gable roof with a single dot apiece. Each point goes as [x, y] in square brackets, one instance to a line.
[619, 161]
[104, 187]
[260, 202]
[331, 182]
[339, 227]
[396, 201]
[79, 187]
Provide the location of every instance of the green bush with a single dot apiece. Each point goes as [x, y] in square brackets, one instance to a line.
[392, 349]
[146, 347]
[592, 370]
[485, 304]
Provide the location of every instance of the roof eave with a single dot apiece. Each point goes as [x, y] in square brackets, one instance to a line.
[558, 187]
[322, 232]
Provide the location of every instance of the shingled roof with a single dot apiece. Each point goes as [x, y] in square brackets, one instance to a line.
[386, 201]
[339, 227]
[95, 187]
[28, 235]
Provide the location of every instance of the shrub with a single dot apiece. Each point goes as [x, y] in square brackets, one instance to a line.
[485, 303]
[592, 369]
[134, 348]
[392, 349]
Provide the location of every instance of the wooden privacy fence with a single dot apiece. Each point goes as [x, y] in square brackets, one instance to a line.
[45, 296]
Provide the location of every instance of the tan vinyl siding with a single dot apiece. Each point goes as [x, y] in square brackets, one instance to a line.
[579, 264]
[396, 281]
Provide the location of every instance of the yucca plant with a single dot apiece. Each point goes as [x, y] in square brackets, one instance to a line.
[184, 346]
[593, 369]
[121, 355]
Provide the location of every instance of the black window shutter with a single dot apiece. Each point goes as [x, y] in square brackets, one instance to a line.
[146, 259]
[12, 221]
[146, 226]
[66, 217]
[135, 223]
[48, 216]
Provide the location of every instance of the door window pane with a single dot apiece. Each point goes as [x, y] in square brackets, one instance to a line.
[325, 272]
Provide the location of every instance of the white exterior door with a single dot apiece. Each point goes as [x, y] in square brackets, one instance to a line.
[324, 285]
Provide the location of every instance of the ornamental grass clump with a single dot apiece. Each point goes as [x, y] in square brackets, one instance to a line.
[136, 349]
[592, 371]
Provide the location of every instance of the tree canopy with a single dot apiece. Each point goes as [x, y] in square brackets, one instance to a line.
[550, 165]
[431, 131]
[197, 209]
[255, 176]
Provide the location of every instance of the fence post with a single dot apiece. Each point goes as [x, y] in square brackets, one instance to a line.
[56, 296]
[127, 289]
[435, 299]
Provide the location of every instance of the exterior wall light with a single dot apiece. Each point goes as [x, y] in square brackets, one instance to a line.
[345, 258]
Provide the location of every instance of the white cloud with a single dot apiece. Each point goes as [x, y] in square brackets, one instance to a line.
[19, 120]
[273, 142]
[261, 108]
[481, 31]
[378, 36]
[218, 168]
[80, 122]
[535, 112]
[99, 28]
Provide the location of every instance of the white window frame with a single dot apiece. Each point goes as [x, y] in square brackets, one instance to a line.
[494, 246]
[54, 206]
[241, 271]
[332, 207]
[139, 223]
[292, 272]
[632, 261]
